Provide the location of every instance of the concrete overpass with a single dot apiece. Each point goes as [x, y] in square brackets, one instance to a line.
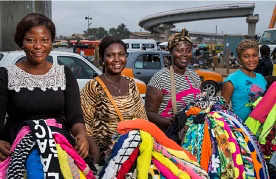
[164, 21]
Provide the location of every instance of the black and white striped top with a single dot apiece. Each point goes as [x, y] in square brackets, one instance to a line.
[186, 89]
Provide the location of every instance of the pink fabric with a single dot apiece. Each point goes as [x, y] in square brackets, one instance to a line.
[262, 109]
[164, 170]
[165, 113]
[159, 148]
[23, 132]
[5, 164]
[66, 146]
[238, 150]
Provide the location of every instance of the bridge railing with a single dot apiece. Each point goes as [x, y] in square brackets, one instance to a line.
[202, 8]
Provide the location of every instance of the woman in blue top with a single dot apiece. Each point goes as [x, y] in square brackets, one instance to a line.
[244, 86]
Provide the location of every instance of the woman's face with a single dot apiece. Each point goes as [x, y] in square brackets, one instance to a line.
[249, 59]
[115, 58]
[37, 44]
[182, 54]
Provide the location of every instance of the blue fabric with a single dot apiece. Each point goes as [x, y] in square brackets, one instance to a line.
[33, 165]
[246, 91]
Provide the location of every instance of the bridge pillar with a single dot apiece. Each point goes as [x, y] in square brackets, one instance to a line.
[252, 20]
[167, 30]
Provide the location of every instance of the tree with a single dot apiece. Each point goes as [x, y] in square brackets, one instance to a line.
[121, 32]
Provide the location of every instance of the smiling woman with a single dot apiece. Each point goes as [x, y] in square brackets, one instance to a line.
[109, 98]
[43, 105]
[244, 86]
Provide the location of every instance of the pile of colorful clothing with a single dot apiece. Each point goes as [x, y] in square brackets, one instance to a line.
[144, 151]
[222, 145]
[262, 123]
[42, 149]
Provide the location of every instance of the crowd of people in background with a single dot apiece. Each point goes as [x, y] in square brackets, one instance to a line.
[50, 121]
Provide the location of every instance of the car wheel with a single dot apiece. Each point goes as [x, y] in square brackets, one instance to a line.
[211, 87]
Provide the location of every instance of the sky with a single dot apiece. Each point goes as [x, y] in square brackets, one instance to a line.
[69, 16]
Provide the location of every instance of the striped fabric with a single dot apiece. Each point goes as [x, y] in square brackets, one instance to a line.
[186, 90]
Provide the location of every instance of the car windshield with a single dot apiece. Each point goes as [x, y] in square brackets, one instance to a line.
[268, 37]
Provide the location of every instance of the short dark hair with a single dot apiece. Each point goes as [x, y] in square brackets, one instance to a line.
[265, 50]
[28, 22]
[106, 42]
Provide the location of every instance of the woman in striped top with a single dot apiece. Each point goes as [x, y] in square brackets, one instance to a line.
[158, 102]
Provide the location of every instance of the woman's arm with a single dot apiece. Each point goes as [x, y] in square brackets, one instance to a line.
[88, 104]
[153, 100]
[227, 91]
[73, 113]
[4, 145]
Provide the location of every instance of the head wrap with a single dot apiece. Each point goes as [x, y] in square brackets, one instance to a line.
[178, 38]
[247, 44]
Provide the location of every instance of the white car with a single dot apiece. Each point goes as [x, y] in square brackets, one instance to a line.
[81, 68]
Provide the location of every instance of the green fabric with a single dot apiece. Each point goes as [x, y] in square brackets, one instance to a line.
[144, 159]
[268, 125]
[253, 124]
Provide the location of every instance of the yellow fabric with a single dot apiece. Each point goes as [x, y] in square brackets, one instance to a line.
[144, 159]
[170, 165]
[253, 124]
[63, 163]
[268, 125]
[82, 175]
[274, 70]
[181, 155]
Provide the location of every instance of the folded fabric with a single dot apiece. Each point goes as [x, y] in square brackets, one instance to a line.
[34, 166]
[206, 151]
[141, 124]
[262, 109]
[170, 165]
[164, 170]
[144, 159]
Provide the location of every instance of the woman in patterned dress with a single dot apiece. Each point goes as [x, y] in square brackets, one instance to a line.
[100, 116]
[158, 102]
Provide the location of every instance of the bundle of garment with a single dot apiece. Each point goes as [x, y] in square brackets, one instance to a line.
[42, 149]
[223, 146]
[143, 151]
[262, 123]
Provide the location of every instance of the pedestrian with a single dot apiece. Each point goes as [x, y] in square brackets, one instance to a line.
[109, 98]
[42, 102]
[159, 93]
[265, 66]
[244, 86]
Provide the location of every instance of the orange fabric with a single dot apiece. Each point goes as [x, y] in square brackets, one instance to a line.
[141, 124]
[206, 151]
[193, 111]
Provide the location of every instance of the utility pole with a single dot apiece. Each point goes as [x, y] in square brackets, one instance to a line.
[89, 23]
[216, 34]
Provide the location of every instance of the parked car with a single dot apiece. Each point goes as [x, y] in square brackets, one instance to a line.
[144, 64]
[81, 68]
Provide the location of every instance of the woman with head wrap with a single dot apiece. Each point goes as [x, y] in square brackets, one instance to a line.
[158, 102]
[244, 86]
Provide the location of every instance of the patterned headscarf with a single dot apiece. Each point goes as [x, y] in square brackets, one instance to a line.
[177, 38]
[247, 44]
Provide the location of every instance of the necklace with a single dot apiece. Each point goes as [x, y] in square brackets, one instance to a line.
[113, 84]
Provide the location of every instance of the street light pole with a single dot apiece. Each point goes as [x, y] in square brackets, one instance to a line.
[89, 23]
[216, 34]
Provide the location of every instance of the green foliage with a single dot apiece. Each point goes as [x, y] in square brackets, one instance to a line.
[121, 32]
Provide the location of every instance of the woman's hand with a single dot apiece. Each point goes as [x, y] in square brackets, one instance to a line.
[82, 145]
[4, 150]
